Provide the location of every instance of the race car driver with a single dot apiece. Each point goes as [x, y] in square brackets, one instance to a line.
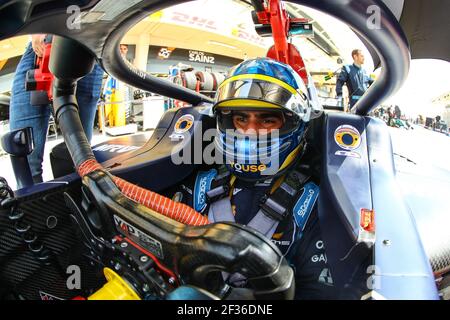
[267, 180]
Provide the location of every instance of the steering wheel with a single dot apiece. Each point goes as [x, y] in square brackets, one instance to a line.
[190, 255]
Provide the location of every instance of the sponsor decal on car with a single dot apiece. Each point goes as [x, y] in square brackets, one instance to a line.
[184, 123]
[202, 186]
[140, 237]
[348, 138]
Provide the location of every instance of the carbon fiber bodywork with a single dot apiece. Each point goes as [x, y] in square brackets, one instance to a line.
[21, 273]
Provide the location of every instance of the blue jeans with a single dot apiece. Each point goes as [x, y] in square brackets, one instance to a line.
[23, 114]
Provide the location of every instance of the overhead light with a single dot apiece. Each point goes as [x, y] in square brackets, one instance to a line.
[217, 43]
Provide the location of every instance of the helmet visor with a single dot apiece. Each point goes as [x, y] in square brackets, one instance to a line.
[264, 93]
[230, 119]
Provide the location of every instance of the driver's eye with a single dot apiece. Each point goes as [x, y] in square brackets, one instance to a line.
[240, 119]
[272, 122]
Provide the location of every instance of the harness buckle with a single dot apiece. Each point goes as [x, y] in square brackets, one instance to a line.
[273, 209]
[217, 193]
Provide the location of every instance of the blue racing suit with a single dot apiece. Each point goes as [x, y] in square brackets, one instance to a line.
[304, 249]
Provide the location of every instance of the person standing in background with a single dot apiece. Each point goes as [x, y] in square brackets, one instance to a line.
[355, 77]
[24, 114]
[117, 97]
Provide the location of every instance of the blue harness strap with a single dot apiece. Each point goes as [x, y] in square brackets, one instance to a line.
[301, 210]
[304, 206]
[202, 185]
